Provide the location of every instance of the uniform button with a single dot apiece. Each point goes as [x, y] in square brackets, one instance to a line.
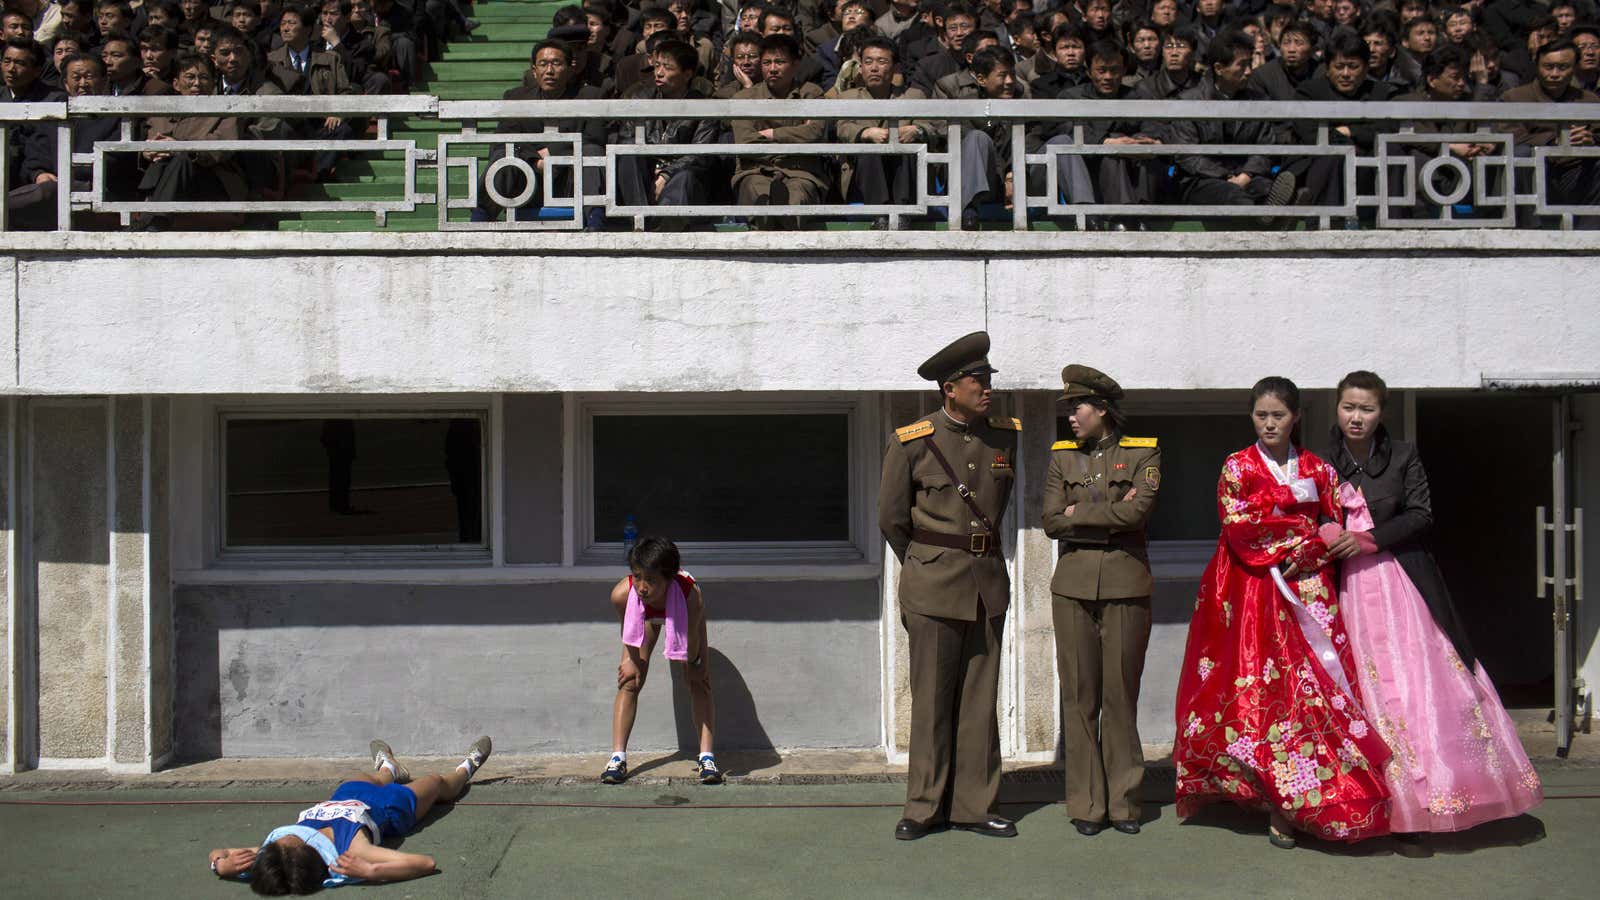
[966, 437]
[974, 523]
[1098, 454]
[972, 465]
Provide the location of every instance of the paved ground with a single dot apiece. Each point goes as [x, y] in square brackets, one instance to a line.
[670, 838]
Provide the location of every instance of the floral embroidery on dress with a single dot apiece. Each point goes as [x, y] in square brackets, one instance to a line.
[1204, 667]
[1449, 804]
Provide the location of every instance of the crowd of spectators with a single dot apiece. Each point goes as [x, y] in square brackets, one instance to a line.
[1486, 50]
[1192, 50]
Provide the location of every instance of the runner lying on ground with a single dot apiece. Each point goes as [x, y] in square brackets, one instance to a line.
[340, 841]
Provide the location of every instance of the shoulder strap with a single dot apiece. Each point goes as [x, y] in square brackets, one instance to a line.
[963, 490]
[913, 431]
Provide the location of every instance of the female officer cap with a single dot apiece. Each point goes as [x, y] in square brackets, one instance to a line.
[1081, 381]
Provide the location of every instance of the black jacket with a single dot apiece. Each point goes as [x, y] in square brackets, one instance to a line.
[1362, 134]
[1396, 489]
[1199, 131]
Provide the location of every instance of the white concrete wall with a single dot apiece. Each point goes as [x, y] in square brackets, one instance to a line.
[258, 313]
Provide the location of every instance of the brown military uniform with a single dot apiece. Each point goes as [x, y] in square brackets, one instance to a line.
[953, 592]
[1101, 604]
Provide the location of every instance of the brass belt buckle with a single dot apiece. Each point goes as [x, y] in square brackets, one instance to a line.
[978, 544]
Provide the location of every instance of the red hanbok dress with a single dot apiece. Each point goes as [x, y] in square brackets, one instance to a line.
[1267, 712]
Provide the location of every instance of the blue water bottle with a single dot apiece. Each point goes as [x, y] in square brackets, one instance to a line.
[630, 536]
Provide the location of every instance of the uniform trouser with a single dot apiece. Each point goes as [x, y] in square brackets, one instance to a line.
[1100, 647]
[777, 189]
[954, 769]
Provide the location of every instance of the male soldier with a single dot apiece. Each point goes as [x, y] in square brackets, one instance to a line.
[946, 481]
[1098, 496]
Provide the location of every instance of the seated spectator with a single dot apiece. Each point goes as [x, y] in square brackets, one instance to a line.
[1144, 46]
[1444, 79]
[124, 69]
[65, 44]
[299, 68]
[195, 13]
[1023, 32]
[691, 24]
[158, 50]
[1386, 61]
[748, 20]
[1095, 20]
[948, 58]
[1346, 80]
[635, 68]
[74, 15]
[245, 17]
[204, 39]
[1412, 9]
[162, 14]
[1067, 72]
[22, 63]
[14, 24]
[962, 83]
[1176, 74]
[878, 179]
[113, 17]
[900, 15]
[1104, 179]
[190, 176]
[1460, 24]
[1489, 80]
[599, 66]
[1568, 180]
[742, 69]
[1280, 78]
[779, 180]
[1565, 12]
[1209, 18]
[825, 31]
[985, 144]
[922, 36]
[1585, 37]
[1164, 13]
[239, 74]
[1235, 179]
[356, 50]
[1347, 14]
[1519, 59]
[853, 14]
[676, 180]
[555, 77]
[1319, 13]
[404, 31]
[32, 206]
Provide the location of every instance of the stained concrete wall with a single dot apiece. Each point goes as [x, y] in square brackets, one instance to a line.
[319, 669]
[256, 313]
[8, 596]
[68, 524]
[161, 683]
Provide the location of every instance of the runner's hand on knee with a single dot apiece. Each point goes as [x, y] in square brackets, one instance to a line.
[629, 676]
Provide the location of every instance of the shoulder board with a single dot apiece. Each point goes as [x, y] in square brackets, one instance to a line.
[1009, 424]
[1064, 445]
[912, 432]
[1136, 442]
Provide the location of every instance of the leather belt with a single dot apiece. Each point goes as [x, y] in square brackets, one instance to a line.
[976, 544]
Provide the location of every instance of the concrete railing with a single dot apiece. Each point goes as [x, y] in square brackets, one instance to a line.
[1397, 186]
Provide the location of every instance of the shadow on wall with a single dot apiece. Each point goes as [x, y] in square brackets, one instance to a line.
[737, 728]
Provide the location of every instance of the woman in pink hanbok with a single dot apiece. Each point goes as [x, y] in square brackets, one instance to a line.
[1457, 761]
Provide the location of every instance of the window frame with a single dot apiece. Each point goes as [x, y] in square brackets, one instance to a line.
[220, 413]
[863, 459]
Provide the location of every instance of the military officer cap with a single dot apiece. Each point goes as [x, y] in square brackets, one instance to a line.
[1078, 382]
[967, 355]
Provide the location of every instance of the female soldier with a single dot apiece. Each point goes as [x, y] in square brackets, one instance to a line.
[1098, 495]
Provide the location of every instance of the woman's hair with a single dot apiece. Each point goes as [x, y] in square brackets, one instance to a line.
[655, 556]
[1363, 380]
[1279, 387]
[283, 869]
[1116, 421]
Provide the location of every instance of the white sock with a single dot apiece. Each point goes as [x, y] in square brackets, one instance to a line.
[388, 763]
[619, 756]
[705, 756]
[467, 764]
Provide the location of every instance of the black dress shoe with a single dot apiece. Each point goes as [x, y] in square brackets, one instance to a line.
[1088, 828]
[994, 826]
[909, 830]
[1127, 827]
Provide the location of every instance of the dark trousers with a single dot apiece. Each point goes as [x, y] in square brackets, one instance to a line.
[1100, 646]
[179, 179]
[1575, 183]
[1202, 191]
[636, 184]
[510, 182]
[881, 180]
[31, 207]
[954, 770]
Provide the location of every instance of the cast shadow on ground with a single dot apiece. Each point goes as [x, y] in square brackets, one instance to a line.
[1514, 832]
[742, 743]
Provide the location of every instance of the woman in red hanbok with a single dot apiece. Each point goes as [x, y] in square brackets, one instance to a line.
[1268, 715]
